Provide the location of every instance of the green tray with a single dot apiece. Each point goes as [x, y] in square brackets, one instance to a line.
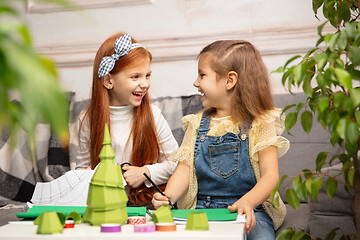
[219, 214]
[36, 211]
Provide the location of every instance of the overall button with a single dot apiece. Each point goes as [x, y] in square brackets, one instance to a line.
[243, 137]
[202, 138]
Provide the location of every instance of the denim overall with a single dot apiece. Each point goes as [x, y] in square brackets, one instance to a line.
[224, 172]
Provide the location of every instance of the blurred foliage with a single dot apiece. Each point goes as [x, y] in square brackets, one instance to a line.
[29, 90]
[329, 75]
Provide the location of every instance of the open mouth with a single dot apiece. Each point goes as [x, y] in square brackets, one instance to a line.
[139, 94]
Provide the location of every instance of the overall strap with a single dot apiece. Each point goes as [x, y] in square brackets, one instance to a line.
[202, 130]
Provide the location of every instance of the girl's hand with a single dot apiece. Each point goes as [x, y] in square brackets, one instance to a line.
[158, 200]
[242, 207]
[134, 175]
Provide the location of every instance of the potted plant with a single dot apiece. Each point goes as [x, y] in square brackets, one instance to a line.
[329, 76]
[29, 90]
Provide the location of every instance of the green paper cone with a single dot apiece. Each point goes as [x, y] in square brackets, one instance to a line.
[163, 215]
[197, 221]
[49, 223]
[97, 217]
[105, 197]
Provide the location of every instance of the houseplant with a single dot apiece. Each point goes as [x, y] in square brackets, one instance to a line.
[29, 90]
[329, 75]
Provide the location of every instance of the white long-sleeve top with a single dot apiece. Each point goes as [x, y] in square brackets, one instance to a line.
[121, 123]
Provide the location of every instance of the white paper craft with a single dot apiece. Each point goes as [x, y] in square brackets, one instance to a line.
[70, 189]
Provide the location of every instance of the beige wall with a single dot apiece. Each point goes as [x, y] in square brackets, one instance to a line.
[174, 31]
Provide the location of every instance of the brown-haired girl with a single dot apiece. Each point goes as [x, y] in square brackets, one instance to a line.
[140, 135]
[229, 155]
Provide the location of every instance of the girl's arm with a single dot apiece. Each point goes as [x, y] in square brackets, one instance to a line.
[269, 176]
[176, 187]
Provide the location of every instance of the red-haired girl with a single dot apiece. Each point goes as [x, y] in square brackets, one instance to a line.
[229, 155]
[140, 134]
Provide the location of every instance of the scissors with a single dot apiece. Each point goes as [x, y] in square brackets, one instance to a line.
[123, 164]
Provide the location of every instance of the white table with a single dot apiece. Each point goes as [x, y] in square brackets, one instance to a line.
[84, 231]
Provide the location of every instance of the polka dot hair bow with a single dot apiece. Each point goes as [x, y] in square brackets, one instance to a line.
[122, 46]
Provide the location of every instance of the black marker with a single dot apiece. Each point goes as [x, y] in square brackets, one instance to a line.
[158, 189]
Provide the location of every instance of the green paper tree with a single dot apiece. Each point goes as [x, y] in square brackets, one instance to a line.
[106, 198]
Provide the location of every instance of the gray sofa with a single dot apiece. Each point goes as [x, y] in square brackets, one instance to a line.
[316, 217]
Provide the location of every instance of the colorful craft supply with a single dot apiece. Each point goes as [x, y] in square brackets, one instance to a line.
[197, 221]
[110, 227]
[148, 227]
[163, 215]
[136, 220]
[107, 199]
[49, 223]
[165, 227]
[69, 224]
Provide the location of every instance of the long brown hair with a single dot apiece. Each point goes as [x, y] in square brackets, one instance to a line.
[146, 147]
[252, 92]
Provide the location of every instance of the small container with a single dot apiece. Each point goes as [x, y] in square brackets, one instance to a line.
[197, 221]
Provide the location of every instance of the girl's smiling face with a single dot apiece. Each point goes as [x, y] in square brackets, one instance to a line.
[211, 87]
[129, 86]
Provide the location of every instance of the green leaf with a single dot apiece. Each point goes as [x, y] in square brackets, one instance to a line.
[288, 107]
[355, 74]
[341, 128]
[316, 4]
[355, 96]
[299, 73]
[284, 233]
[291, 60]
[351, 177]
[323, 105]
[342, 41]
[315, 187]
[320, 160]
[308, 90]
[306, 121]
[350, 29]
[332, 234]
[354, 55]
[352, 132]
[321, 60]
[292, 198]
[357, 117]
[298, 235]
[333, 41]
[327, 38]
[320, 28]
[344, 78]
[308, 183]
[331, 187]
[279, 70]
[290, 120]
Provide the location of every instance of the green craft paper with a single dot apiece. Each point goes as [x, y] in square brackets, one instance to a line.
[36, 211]
[74, 216]
[197, 221]
[106, 202]
[219, 214]
[96, 218]
[163, 215]
[49, 223]
[106, 197]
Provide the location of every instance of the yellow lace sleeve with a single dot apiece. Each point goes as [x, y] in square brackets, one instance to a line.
[266, 131]
[185, 152]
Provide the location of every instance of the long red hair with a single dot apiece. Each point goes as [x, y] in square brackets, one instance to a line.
[146, 147]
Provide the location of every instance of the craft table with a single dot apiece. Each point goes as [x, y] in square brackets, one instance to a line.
[221, 231]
